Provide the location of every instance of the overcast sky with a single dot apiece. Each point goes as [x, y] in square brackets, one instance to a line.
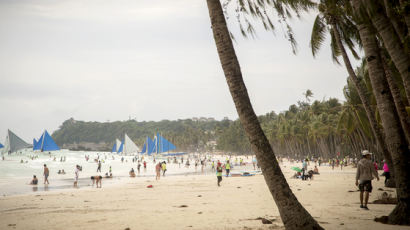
[100, 60]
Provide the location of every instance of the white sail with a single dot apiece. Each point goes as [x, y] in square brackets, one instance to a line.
[129, 146]
[14, 143]
[118, 144]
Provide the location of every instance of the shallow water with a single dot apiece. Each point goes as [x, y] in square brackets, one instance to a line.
[15, 176]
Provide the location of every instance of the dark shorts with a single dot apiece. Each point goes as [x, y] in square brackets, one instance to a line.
[219, 178]
[227, 171]
[366, 186]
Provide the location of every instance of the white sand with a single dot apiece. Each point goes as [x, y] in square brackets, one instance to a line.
[231, 206]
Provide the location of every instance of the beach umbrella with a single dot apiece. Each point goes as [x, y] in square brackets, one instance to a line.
[297, 169]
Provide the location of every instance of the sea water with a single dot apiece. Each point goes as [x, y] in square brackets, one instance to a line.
[15, 176]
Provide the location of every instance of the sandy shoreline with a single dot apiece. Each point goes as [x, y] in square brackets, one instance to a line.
[234, 205]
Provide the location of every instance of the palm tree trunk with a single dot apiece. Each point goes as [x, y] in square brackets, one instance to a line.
[404, 117]
[391, 41]
[293, 214]
[366, 104]
[395, 138]
[405, 7]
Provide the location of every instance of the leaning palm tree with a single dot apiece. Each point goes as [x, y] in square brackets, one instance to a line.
[395, 138]
[293, 214]
[334, 18]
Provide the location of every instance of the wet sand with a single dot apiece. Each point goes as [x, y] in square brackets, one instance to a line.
[194, 202]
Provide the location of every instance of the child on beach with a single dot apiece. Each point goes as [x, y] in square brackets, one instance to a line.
[132, 173]
[34, 181]
[219, 173]
[164, 168]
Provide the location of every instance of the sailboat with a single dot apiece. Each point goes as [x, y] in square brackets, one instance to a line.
[148, 147]
[1, 146]
[116, 146]
[130, 148]
[14, 143]
[46, 143]
[34, 142]
[162, 145]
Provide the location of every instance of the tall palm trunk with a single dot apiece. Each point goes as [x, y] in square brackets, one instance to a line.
[391, 41]
[293, 214]
[404, 117]
[395, 138]
[366, 104]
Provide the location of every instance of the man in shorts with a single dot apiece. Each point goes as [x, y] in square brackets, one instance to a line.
[364, 175]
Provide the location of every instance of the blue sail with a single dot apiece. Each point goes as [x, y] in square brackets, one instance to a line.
[150, 146]
[34, 142]
[144, 148]
[165, 145]
[1, 146]
[114, 148]
[162, 145]
[37, 146]
[48, 143]
[121, 147]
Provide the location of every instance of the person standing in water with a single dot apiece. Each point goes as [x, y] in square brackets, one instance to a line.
[219, 173]
[99, 166]
[46, 173]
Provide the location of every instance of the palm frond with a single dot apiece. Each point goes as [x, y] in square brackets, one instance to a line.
[336, 52]
[318, 35]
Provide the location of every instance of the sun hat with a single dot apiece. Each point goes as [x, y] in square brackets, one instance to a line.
[366, 152]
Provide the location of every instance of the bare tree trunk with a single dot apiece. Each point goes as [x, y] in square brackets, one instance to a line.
[395, 138]
[293, 214]
[366, 104]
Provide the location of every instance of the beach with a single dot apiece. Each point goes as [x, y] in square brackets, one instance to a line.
[194, 202]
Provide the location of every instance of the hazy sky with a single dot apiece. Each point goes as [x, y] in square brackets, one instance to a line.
[100, 60]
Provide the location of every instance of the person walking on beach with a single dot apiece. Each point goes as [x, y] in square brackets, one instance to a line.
[139, 167]
[219, 173]
[227, 167]
[364, 175]
[99, 166]
[46, 173]
[145, 166]
[158, 171]
[386, 171]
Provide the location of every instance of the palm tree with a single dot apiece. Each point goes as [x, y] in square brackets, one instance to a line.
[293, 214]
[335, 14]
[395, 138]
[394, 46]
